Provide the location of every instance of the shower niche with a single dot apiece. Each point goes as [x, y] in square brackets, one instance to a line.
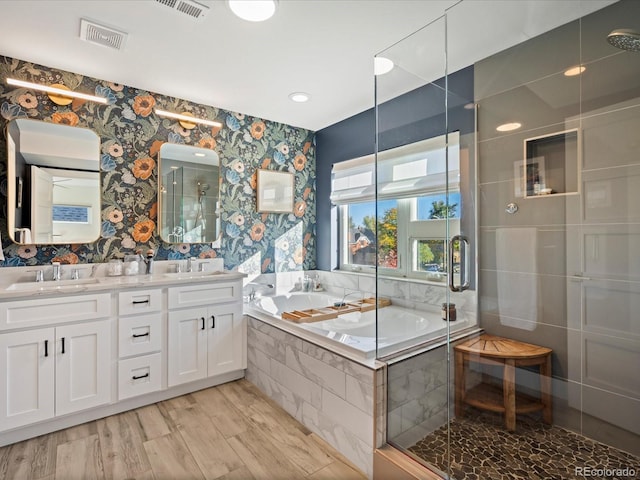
[550, 165]
[188, 198]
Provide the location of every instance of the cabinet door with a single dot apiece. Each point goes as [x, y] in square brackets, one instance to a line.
[226, 337]
[83, 366]
[27, 382]
[187, 348]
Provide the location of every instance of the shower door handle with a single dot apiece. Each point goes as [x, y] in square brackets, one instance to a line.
[464, 263]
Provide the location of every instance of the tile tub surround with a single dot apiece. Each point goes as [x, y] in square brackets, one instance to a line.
[365, 334]
[339, 399]
[412, 294]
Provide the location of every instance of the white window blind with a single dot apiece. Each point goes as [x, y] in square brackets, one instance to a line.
[408, 171]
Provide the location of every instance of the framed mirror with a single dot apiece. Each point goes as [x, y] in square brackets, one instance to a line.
[189, 194]
[275, 191]
[53, 183]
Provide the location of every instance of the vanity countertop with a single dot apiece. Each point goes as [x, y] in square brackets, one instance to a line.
[15, 285]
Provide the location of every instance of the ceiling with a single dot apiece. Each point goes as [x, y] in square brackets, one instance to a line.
[322, 47]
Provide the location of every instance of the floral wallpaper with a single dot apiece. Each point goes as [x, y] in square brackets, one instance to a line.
[131, 135]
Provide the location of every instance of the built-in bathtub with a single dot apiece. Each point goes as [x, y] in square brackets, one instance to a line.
[326, 374]
[397, 327]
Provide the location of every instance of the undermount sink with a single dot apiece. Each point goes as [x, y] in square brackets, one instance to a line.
[185, 275]
[52, 285]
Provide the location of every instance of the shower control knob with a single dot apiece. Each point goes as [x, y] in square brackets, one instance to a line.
[511, 208]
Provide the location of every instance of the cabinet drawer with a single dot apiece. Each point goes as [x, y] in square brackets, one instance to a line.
[49, 311]
[139, 375]
[139, 301]
[205, 294]
[140, 334]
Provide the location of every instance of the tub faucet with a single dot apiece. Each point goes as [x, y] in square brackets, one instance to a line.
[341, 302]
[252, 292]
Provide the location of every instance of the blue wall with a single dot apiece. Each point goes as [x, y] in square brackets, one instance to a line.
[414, 116]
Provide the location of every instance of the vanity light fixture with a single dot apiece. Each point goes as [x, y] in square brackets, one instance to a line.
[573, 71]
[299, 97]
[59, 94]
[382, 65]
[507, 127]
[253, 10]
[186, 119]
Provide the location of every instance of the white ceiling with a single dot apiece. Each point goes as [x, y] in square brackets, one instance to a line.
[323, 47]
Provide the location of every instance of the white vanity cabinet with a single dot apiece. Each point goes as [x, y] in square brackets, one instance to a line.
[27, 383]
[140, 342]
[74, 353]
[55, 370]
[209, 337]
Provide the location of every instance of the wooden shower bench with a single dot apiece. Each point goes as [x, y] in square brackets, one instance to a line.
[508, 354]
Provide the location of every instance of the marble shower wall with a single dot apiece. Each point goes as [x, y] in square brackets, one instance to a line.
[131, 135]
[415, 295]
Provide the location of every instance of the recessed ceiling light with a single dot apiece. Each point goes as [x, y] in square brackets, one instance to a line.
[382, 65]
[253, 10]
[299, 97]
[507, 127]
[573, 71]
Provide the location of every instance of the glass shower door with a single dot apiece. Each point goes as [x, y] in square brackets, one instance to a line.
[425, 180]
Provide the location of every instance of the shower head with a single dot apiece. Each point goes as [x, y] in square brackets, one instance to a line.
[625, 39]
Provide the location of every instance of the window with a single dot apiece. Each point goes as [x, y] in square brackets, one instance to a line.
[362, 248]
[407, 235]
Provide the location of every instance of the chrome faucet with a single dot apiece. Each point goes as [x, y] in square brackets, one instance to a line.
[149, 261]
[190, 262]
[57, 271]
[252, 293]
[341, 302]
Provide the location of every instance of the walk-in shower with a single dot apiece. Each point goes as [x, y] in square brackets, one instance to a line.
[554, 227]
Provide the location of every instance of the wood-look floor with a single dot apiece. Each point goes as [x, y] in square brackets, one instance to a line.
[231, 431]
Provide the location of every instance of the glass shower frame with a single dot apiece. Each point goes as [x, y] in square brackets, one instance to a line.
[414, 102]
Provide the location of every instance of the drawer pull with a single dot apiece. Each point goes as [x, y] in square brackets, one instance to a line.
[202, 323]
[138, 377]
[213, 321]
[138, 335]
[63, 345]
[46, 348]
[137, 302]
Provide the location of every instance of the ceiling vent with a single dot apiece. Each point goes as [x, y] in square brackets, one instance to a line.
[187, 7]
[101, 35]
